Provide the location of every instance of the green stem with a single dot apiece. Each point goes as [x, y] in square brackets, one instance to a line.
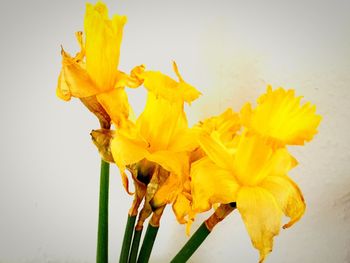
[147, 244]
[102, 232]
[135, 246]
[129, 228]
[191, 246]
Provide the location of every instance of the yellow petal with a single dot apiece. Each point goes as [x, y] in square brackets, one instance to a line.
[216, 151]
[125, 182]
[182, 208]
[246, 115]
[161, 121]
[281, 162]
[127, 150]
[115, 102]
[103, 40]
[196, 155]
[171, 161]
[75, 78]
[168, 191]
[167, 88]
[81, 54]
[184, 140]
[287, 195]
[211, 184]
[62, 90]
[225, 125]
[96, 108]
[132, 80]
[253, 160]
[280, 117]
[262, 217]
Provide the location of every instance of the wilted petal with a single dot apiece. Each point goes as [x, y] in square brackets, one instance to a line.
[182, 209]
[62, 90]
[168, 191]
[287, 195]
[102, 139]
[132, 80]
[211, 184]
[262, 217]
[115, 103]
[167, 88]
[75, 78]
[96, 108]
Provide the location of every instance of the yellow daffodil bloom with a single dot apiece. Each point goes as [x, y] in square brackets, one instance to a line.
[161, 134]
[225, 125]
[255, 177]
[92, 74]
[281, 119]
[177, 188]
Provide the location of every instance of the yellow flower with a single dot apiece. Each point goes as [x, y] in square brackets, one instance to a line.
[225, 125]
[160, 135]
[255, 177]
[281, 119]
[177, 188]
[92, 74]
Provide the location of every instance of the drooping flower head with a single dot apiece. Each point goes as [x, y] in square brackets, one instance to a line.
[92, 74]
[255, 177]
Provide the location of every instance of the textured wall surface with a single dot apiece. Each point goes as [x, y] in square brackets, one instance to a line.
[230, 50]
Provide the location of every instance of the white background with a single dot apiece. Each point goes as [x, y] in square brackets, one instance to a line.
[230, 51]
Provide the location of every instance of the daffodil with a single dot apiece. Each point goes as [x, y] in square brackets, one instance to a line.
[281, 119]
[255, 177]
[92, 74]
[159, 145]
[161, 134]
[249, 168]
[223, 127]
